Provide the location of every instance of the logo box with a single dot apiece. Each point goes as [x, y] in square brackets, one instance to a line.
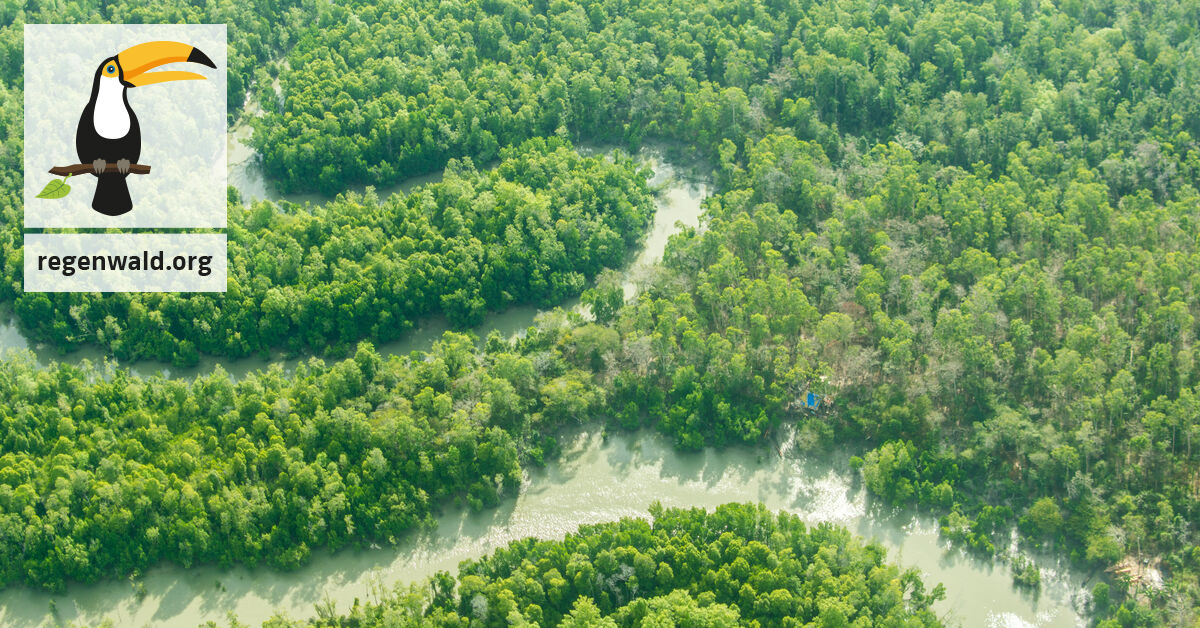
[156, 92]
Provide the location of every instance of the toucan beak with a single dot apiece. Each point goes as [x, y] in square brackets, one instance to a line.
[137, 60]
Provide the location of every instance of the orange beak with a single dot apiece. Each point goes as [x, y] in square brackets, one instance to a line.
[139, 59]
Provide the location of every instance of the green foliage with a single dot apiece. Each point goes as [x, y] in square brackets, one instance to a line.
[265, 470]
[534, 229]
[1026, 574]
[740, 565]
[1045, 517]
[975, 223]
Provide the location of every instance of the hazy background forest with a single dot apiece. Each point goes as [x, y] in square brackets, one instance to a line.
[973, 223]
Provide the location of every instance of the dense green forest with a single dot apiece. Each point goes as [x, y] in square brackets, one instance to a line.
[103, 473]
[976, 223]
[534, 229]
[738, 566]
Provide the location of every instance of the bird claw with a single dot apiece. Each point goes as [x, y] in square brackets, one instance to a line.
[98, 165]
[123, 166]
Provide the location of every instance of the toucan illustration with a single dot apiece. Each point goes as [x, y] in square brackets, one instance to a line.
[108, 130]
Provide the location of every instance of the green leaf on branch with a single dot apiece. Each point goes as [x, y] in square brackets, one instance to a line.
[57, 188]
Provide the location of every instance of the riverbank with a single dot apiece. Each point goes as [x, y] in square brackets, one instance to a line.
[680, 193]
[597, 479]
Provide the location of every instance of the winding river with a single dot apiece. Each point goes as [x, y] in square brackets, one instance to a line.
[597, 479]
[680, 192]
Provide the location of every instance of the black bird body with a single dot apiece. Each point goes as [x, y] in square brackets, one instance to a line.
[112, 191]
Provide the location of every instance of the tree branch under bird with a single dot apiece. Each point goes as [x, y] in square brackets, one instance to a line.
[111, 167]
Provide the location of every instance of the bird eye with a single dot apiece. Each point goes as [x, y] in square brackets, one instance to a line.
[111, 69]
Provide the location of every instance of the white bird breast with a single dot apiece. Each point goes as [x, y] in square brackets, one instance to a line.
[110, 117]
